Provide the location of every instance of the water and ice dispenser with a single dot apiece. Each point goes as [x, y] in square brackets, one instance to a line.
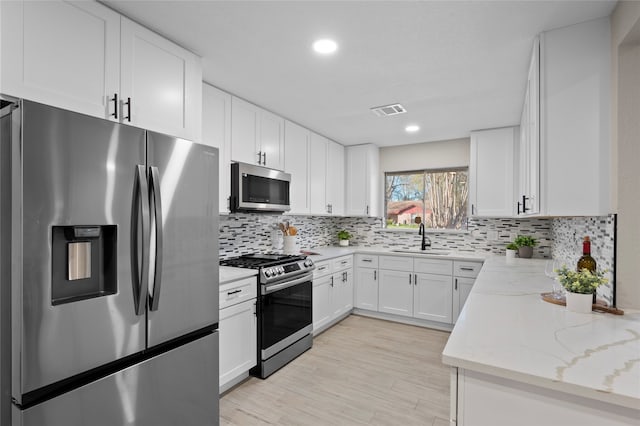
[84, 262]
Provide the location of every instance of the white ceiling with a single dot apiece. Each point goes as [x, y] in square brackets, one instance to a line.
[456, 66]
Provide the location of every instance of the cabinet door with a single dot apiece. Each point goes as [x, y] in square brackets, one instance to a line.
[271, 140]
[296, 163]
[432, 297]
[244, 132]
[342, 292]
[318, 174]
[162, 82]
[216, 131]
[61, 54]
[491, 173]
[396, 292]
[322, 301]
[335, 178]
[366, 296]
[238, 340]
[461, 289]
[357, 183]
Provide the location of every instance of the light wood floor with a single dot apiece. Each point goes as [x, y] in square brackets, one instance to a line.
[362, 371]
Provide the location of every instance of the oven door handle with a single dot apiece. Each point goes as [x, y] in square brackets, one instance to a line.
[276, 287]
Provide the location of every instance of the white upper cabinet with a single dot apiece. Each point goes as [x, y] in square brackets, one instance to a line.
[318, 174]
[257, 136]
[491, 172]
[335, 178]
[363, 181]
[160, 83]
[296, 148]
[575, 119]
[216, 131]
[84, 57]
[61, 54]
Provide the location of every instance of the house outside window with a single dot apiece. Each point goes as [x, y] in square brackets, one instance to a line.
[438, 197]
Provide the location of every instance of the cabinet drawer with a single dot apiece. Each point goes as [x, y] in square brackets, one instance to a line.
[238, 291]
[322, 269]
[466, 269]
[396, 263]
[342, 263]
[433, 266]
[366, 261]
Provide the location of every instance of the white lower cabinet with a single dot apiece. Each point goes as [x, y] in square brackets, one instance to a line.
[432, 296]
[396, 292]
[465, 274]
[366, 282]
[238, 331]
[332, 291]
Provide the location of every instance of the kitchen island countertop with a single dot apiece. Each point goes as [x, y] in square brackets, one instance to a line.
[506, 330]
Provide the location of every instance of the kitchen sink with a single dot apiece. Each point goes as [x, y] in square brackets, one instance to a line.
[430, 252]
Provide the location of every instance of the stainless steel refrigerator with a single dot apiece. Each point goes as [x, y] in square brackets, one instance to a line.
[109, 272]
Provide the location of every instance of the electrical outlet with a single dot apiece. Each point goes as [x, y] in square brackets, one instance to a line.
[492, 235]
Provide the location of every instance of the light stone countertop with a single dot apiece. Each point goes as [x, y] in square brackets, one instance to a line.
[329, 252]
[230, 273]
[507, 330]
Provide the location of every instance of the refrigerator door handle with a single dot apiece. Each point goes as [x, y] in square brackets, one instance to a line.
[154, 299]
[140, 272]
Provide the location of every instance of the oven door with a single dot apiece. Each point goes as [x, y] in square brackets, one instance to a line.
[285, 314]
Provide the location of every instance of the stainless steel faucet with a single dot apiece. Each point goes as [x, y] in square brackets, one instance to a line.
[426, 241]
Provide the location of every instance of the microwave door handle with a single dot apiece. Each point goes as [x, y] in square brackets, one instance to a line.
[154, 299]
[140, 272]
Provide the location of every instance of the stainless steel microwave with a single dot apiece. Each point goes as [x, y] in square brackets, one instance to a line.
[255, 188]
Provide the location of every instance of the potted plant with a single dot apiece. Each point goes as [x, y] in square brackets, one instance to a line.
[344, 236]
[525, 245]
[580, 286]
[512, 248]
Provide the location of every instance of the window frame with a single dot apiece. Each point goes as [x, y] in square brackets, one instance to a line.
[424, 172]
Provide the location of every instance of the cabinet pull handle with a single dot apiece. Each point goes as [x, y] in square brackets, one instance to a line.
[128, 104]
[415, 279]
[331, 281]
[375, 275]
[259, 157]
[518, 207]
[264, 158]
[367, 260]
[524, 204]
[456, 286]
[367, 210]
[115, 106]
[464, 268]
[229, 293]
[409, 279]
[472, 209]
[344, 277]
[255, 310]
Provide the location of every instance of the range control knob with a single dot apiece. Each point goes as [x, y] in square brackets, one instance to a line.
[268, 273]
[280, 270]
[308, 263]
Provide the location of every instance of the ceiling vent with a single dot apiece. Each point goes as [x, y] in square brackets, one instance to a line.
[387, 110]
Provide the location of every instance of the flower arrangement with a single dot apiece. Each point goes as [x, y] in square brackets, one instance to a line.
[583, 282]
[524, 241]
[344, 235]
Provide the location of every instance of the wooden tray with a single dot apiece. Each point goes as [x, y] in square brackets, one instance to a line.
[548, 297]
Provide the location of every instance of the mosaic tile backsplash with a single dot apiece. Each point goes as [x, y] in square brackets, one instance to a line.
[560, 238]
[568, 233]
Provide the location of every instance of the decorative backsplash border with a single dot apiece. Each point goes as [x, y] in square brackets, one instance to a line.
[560, 238]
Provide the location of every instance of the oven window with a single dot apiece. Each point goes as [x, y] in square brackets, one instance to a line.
[285, 312]
[258, 189]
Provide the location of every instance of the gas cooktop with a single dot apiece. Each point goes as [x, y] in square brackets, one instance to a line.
[272, 266]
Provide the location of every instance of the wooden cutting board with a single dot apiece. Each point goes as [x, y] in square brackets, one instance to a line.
[548, 297]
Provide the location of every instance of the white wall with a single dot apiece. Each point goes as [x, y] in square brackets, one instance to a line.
[625, 32]
[429, 155]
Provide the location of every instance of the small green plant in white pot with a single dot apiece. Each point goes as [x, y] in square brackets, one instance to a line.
[343, 237]
[580, 286]
[512, 249]
[525, 245]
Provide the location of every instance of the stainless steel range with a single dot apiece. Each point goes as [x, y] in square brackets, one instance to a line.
[283, 308]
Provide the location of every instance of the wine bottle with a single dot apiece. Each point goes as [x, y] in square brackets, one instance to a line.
[586, 261]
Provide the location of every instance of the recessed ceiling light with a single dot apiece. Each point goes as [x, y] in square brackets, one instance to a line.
[412, 128]
[325, 46]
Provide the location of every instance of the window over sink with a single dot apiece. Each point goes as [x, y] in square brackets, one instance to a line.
[438, 197]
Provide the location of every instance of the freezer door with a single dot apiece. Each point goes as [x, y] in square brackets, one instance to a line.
[75, 170]
[184, 282]
[177, 388]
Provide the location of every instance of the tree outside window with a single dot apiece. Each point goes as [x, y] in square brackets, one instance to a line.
[439, 197]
